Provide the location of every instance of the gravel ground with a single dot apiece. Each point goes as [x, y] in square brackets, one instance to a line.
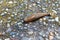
[12, 14]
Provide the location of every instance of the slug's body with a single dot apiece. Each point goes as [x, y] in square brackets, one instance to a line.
[34, 17]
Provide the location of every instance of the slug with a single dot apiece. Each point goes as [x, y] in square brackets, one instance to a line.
[35, 17]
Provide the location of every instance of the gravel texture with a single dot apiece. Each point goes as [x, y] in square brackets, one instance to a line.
[12, 14]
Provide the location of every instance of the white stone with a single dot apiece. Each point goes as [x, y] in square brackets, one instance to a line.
[2, 13]
[44, 18]
[25, 27]
[34, 4]
[20, 26]
[0, 39]
[3, 33]
[13, 35]
[1, 2]
[31, 39]
[15, 13]
[52, 25]
[7, 39]
[51, 37]
[12, 15]
[22, 35]
[15, 1]
[1, 21]
[30, 5]
[9, 30]
[44, 8]
[41, 19]
[26, 24]
[53, 4]
[54, 11]
[5, 12]
[8, 25]
[58, 37]
[56, 34]
[19, 23]
[44, 23]
[57, 5]
[9, 21]
[57, 19]
[10, 2]
[51, 20]
[30, 32]
[9, 17]
[6, 9]
[39, 0]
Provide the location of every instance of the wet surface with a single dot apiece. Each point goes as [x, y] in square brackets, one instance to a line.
[12, 14]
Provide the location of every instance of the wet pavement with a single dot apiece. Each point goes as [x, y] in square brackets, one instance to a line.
[13, 12]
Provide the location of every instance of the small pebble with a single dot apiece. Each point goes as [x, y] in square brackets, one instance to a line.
[10, 2]
[7, 9]
[7, 39]
[9, 30]
[30, 32]
[8, 25]
[13, 35]
[57, 19]
[0, 39]
[25, 38]
[1, 34]
[14, 38]
[41, 38]
[51, 35]
[54, 11]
